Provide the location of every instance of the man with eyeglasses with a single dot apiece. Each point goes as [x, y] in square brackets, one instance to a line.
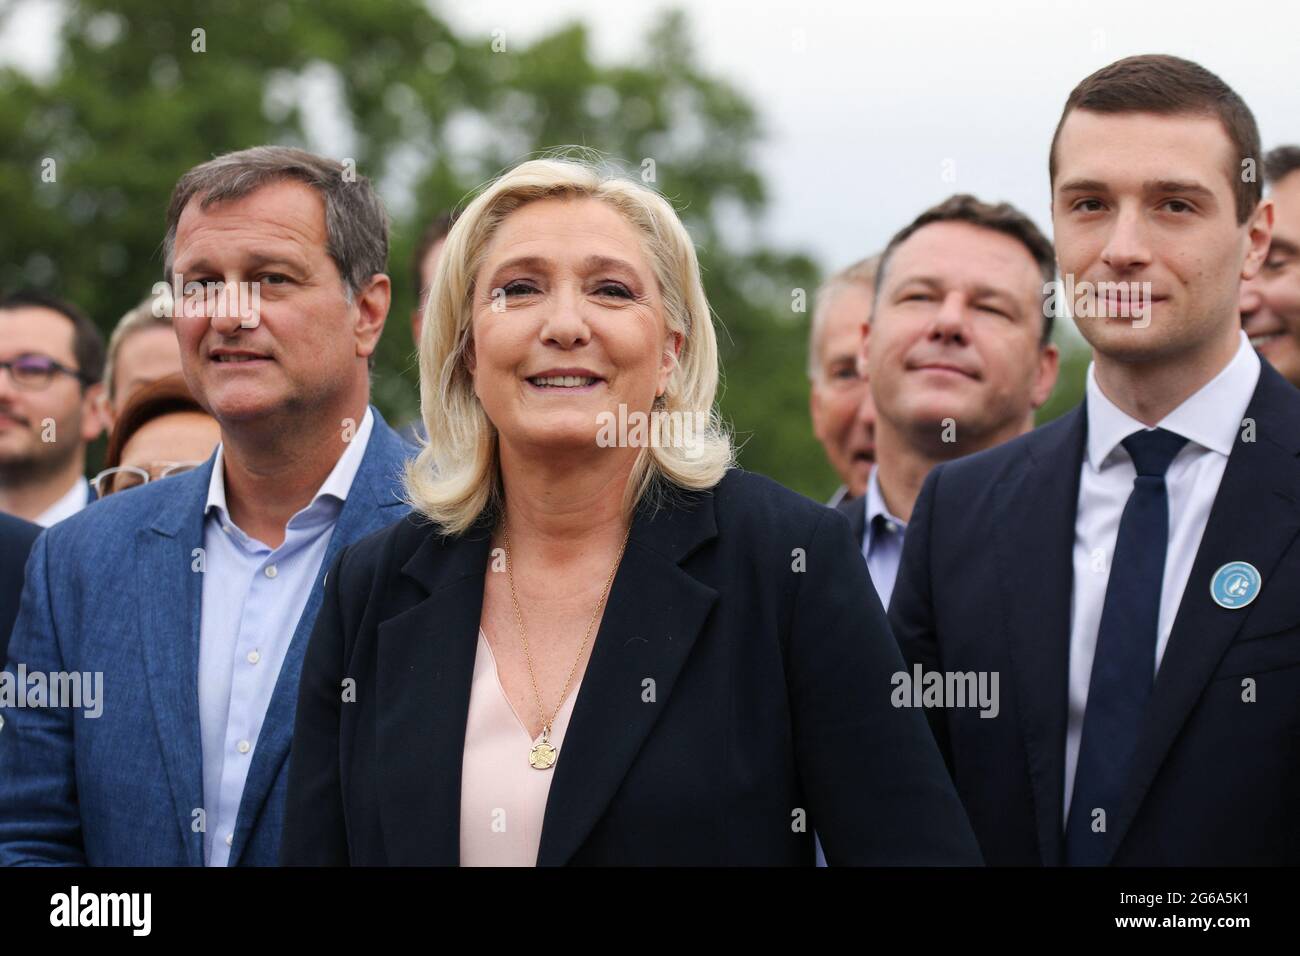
[51, 362]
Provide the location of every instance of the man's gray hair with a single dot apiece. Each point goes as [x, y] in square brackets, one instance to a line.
[862, 272]
[356, 223]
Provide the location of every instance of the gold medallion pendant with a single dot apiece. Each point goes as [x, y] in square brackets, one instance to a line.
[542, 756]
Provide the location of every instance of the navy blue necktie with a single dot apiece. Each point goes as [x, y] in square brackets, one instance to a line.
[1123, 668]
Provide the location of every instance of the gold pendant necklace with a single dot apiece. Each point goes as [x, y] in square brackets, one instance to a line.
[542, 755]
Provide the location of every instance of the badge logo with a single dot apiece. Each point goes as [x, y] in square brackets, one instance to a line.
[1235, 585]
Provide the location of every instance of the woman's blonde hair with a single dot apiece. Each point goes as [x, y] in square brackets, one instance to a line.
[456, 476]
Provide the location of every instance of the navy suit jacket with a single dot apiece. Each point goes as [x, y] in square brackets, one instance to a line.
[113, 589]
[985, 585]
[16, 537]
[750, 610]
[855, 509]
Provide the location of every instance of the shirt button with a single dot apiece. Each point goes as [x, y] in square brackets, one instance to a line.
[271, 571]
[245, 746]
[891, 527]
[230, 839]
[254, 657]
[226, 528]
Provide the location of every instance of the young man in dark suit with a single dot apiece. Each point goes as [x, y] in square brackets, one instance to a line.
[1129, 571]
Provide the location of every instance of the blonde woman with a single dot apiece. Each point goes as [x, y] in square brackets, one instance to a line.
[596, 641]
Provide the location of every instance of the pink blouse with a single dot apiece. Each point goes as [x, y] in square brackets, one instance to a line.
[502, 797]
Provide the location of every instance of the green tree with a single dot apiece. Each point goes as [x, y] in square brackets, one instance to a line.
[145, 89]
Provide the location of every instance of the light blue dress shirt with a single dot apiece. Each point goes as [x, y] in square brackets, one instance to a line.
[253, 597]
[882, 541]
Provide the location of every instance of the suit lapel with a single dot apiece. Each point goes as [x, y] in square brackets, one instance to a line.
[170, 638]
[426, 666]
[1255, 518]
[1037, 511]
[856, 512]
[424, 673]
[372, 503]
[654, 615]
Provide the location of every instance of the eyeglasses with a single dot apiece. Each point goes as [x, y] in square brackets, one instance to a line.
[35, 372]
[122, 477]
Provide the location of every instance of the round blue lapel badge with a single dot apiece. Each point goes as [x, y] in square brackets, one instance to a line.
[1235, 585]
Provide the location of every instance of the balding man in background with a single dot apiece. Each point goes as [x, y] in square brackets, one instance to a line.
[843, 417]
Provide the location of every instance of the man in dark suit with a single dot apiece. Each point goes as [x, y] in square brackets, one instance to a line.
[957, 355]
[1129, 571]
[16, 537]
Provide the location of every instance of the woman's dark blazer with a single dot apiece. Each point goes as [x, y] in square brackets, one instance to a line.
[737, 698]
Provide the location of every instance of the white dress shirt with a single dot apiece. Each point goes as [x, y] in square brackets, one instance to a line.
[253, 597]
[76, 498]
[1211, 421]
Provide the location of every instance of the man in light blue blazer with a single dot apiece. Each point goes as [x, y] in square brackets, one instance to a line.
[153, 670]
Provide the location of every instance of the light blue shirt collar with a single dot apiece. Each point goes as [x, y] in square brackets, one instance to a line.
[336, 484]
[882, 541]
[876, 507]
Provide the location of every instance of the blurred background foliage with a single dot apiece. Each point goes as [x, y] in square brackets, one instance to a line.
[145, 89]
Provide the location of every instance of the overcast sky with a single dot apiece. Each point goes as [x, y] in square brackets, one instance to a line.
[873, 111]
[868, 104]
